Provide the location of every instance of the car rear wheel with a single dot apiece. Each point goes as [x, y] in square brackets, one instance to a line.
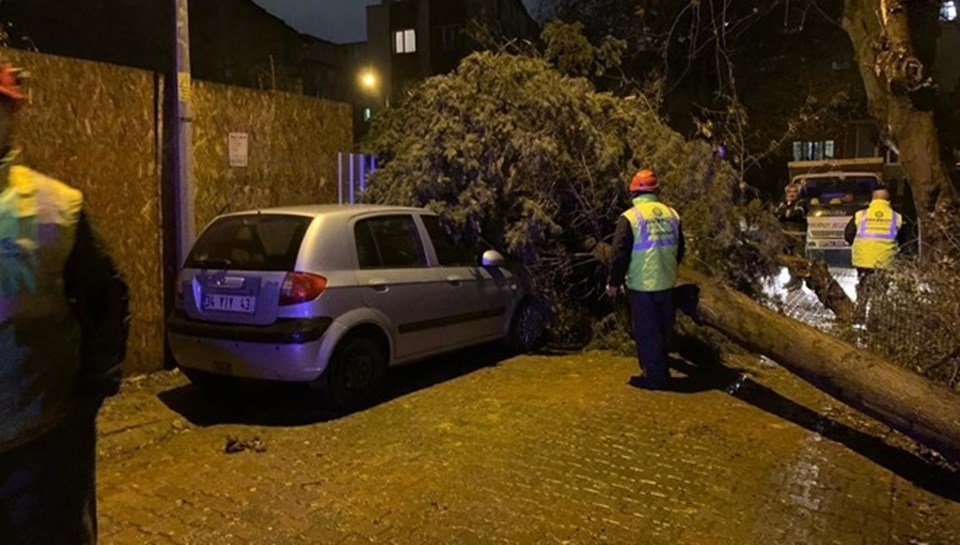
[527, 329]
[356, 374]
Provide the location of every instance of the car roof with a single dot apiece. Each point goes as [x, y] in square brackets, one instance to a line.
[315, 210]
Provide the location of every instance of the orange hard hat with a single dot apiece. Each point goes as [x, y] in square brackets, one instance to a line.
[10, 82]
[644, 181]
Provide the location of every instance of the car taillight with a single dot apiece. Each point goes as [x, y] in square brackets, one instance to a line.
[301, 287]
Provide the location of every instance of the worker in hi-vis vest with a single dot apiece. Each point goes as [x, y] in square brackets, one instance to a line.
[648, 246]
[876, 234]
[63, 330]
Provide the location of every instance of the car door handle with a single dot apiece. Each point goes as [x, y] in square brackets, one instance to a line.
[455, 281]
[379, 285]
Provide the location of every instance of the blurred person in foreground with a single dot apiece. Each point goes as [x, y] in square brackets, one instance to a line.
[63, 332]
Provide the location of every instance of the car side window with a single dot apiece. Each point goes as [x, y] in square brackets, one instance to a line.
[368, 255]
[449, 254]
[389, 242]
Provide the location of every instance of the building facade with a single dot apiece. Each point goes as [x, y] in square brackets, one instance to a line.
[409, 40]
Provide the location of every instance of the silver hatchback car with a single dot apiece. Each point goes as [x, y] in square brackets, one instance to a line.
[333, 295]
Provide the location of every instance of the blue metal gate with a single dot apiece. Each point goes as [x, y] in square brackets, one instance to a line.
[353, 171]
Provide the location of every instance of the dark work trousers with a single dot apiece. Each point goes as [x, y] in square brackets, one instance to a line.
[869, 284]
[47, 486]
[653, 316]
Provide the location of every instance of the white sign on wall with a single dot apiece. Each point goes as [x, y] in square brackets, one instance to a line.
[239, 147]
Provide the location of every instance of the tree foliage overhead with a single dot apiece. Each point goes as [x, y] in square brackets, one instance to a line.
[515, 155]
[760, 74]
[568, 48]
[755, 74]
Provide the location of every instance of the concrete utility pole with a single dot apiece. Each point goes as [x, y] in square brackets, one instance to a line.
[184, 191]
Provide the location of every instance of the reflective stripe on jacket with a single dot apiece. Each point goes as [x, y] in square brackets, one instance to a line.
[875, 245]
[656, 231]
[39, 336]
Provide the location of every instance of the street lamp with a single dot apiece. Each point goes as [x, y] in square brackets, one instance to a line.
[368, 80]
[370, 83]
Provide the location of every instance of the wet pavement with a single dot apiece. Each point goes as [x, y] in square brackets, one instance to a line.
[539, 449]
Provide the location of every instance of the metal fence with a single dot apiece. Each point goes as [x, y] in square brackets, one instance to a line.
[909, 315]
[912, 316]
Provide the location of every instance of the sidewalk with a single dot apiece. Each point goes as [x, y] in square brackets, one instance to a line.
[533, 450]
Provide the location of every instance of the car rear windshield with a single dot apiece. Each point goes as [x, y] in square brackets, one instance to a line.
[260, 242]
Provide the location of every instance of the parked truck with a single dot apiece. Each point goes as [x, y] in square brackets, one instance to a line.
[834, 190]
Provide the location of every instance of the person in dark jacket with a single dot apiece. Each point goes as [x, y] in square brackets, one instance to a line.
[648, 247]
[792, 213]
[63, 331]
[792, 209]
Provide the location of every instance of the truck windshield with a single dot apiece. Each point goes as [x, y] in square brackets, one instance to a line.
[836, 191]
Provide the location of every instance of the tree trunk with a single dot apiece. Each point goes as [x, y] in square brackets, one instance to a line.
[896, 82]
[819, 279]
[901, 399]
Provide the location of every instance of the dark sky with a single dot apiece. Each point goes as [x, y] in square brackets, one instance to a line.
[339, 21]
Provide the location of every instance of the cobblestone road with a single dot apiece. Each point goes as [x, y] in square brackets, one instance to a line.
[531, 450]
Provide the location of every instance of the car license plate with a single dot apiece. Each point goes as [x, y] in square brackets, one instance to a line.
[230, 303]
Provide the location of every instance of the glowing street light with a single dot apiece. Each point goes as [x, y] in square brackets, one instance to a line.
[370, 83]
[368, 80]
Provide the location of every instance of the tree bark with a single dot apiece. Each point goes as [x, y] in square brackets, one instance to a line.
[895, 81]
[901, 399]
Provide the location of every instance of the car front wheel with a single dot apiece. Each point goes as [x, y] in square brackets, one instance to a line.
[527, 329]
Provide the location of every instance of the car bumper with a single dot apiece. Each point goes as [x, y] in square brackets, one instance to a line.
[287, 351]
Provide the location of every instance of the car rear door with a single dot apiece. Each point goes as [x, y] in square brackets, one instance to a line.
[236, 269]
[396, 279]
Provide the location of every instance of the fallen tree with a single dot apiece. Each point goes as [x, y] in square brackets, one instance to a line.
[905, 401]
[819, 279]
[516, 156]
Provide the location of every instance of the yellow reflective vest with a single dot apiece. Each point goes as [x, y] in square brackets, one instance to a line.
[39, 335]
[875, 244]
[656, 234]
